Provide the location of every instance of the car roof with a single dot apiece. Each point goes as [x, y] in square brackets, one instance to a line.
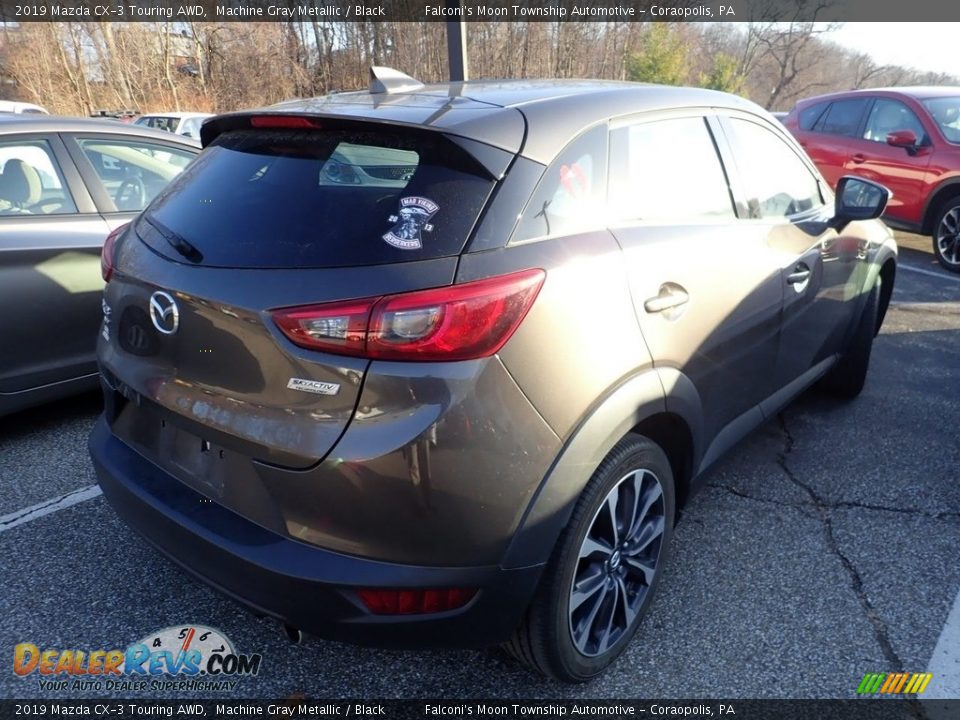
[54, 123]
[542, 116]
[17, 106]
[181, 115]
[919, 92]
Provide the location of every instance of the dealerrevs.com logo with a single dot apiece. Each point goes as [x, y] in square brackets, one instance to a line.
[184, 657]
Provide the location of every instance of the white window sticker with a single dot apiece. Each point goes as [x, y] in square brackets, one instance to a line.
[412, 220]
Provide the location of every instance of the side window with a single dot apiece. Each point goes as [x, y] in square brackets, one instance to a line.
[888, 116]
[778, 182]
[843, 117]
[31, 182]
[571, 195]
[132, 171]
[809, 116]
[667, 170]
[191, 127]
[945, 111]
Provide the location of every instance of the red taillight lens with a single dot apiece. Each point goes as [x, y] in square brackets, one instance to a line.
[460, 322]
[339, 328]
[415, 602]
[284, 121]
[106, 254]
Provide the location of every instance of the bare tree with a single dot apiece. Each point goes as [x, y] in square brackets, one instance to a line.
[217, 66]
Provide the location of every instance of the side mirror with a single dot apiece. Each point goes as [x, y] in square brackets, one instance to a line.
[858, 199]
[902, 139]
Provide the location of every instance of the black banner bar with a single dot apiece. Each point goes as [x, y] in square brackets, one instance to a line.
[477, 10]
[865, 709]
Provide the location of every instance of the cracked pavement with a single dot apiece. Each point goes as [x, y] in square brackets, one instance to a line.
[823, 547]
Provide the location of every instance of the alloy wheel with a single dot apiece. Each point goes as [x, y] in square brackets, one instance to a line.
[948, 236]
[617, 563]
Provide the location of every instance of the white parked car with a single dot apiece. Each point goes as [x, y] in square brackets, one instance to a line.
[181, 123]
[10, 106]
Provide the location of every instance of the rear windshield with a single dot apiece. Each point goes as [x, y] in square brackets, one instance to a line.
[319, 198]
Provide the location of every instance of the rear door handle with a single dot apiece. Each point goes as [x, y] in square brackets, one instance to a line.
[800, 274]
[858, 158]
[668, 298]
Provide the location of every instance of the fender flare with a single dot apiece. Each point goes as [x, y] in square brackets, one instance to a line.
[930, 207]
[638, 398]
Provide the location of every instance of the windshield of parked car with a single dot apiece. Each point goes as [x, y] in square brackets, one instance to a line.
[946, 112]
[323, 198]
[159, 122]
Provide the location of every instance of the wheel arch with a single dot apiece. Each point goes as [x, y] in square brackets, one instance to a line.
[945, 190]
[638, 405]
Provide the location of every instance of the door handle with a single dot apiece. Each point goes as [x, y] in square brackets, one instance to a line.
[858, 158]
[799, 275]
[668, 298]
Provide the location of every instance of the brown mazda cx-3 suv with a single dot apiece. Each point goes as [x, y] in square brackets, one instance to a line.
[437, 365]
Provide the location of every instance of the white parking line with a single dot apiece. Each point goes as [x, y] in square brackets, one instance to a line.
[931, 273]
[25, 515]
[945, 661]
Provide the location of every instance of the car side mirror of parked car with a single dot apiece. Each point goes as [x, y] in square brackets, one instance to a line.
[858, 199]
[906, 139]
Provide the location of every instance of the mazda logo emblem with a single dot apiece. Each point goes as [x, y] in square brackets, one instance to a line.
[164, 313]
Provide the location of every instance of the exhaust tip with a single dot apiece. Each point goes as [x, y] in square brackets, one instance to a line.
[294, 635]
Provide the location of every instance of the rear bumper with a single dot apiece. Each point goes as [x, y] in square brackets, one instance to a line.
[304, 586]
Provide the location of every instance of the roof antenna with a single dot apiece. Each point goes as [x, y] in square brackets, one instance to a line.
[387, 80]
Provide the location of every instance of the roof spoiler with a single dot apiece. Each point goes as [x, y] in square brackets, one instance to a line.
[387, 80]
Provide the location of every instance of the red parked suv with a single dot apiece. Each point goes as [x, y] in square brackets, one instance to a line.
[907, 139]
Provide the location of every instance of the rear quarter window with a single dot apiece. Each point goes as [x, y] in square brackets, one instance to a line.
[809, 115]
[843, 117]
[327, 198]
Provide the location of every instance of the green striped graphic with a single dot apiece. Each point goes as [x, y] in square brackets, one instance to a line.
[871, 683]
[894, 683]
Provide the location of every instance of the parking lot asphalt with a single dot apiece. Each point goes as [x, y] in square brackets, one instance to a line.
[822, 548]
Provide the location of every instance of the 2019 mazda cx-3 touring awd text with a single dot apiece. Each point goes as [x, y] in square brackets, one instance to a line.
[438, 365]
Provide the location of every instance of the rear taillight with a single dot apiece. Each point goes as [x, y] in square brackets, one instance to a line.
[459, 322]
[415, 602]
[106, 254]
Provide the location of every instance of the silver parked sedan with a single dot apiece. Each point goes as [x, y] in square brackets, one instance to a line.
[65, 184]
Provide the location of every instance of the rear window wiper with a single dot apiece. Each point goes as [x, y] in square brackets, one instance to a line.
[177, 242]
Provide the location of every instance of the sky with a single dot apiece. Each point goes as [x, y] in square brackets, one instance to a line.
[925, 46]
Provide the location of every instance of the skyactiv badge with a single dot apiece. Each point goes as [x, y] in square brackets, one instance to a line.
[412, 219]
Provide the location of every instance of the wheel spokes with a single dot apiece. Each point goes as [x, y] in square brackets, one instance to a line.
[648, 532]
[629, 611]
[948, 237]
[583, 628]
[646, 568]
[586, 588]
[608, 634]
[610, 507]
[595, 546]
[652, 495]
[616, 563]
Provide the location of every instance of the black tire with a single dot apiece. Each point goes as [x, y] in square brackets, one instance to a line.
[946, 235]
[546, 640]
[846, 379]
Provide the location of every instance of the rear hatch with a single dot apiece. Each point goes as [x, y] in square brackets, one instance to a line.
[268, 218]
